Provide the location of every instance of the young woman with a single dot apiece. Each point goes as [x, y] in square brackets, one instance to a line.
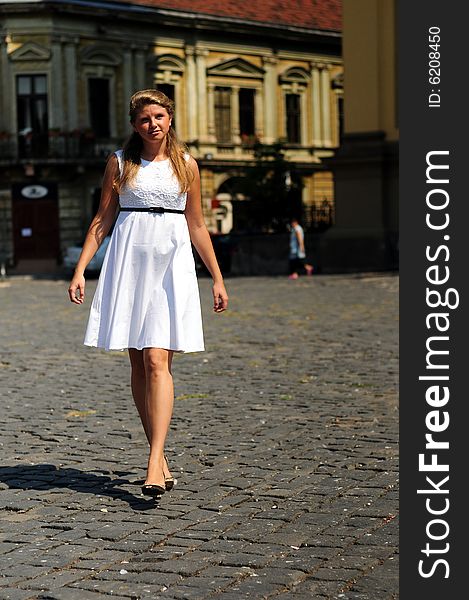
[147, 297]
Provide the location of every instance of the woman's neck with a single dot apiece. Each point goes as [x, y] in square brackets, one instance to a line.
[154, 152]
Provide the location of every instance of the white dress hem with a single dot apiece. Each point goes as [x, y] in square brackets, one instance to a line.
[138, 347]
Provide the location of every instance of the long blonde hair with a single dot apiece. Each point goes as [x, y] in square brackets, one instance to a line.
[133, 147]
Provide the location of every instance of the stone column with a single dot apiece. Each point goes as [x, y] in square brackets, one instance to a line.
[316, 106]
[127, 88]
[211, 112]
[179, 111]
[270, 100]
[326, 106]
[71, 78]
[56, 104]
[191, 95]
[259, 114]
[200, 55]
[282, 129]
[336, 94]
[6, 105]
[140, 70]
[304, 137]
[113, 107]
[235, 115]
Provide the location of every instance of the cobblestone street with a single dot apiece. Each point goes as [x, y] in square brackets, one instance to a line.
[284, 442]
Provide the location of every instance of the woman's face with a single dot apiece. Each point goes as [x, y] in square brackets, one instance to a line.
[152, 123]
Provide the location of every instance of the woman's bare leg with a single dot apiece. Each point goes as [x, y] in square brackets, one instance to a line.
[159, 394]
[138, 385]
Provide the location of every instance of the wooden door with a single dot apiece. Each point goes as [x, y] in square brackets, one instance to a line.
[35, 222]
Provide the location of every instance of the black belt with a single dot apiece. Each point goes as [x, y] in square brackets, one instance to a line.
[152, 209]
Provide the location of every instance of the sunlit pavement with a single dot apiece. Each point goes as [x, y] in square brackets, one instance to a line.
[284, 442]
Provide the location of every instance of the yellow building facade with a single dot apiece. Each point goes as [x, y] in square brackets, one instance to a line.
[68, 71]
[366, 169]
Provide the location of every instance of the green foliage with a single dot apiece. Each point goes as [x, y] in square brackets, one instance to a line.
[273, 191]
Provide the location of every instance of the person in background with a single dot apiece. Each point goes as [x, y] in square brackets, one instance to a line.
[297, 251]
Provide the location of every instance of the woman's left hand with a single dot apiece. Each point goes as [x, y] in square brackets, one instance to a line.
[220, 297]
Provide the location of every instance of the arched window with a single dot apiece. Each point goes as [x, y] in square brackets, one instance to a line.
[167, 73]
[294, 83]
[99, 64]
[293, 118]
[223, 114]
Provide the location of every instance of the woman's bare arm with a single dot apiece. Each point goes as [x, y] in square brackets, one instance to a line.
[97, 231]
[200, 237]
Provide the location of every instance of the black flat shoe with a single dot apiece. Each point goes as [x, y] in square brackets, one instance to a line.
[152, 489]
[169, 482]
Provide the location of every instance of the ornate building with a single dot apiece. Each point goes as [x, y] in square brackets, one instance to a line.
[244, 78]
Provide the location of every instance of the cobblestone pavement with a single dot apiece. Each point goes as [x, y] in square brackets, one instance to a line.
[284, 442]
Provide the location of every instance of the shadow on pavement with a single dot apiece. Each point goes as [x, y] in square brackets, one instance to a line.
[47, 477]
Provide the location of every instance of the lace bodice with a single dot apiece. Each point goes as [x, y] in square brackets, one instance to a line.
[155, 185]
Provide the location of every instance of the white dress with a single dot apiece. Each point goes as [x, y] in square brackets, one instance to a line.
[147, 294]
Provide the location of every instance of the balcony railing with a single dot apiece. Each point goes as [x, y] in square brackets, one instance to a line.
[56, 145]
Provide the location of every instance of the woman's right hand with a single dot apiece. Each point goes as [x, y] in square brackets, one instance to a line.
[76, 290]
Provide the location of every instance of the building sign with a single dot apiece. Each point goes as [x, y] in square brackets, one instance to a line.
[34, 191]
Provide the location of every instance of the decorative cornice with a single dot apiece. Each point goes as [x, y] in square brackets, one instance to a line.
[100, 54]
[30, 51]
[236, 67]
[269, 60]
[166, 62]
